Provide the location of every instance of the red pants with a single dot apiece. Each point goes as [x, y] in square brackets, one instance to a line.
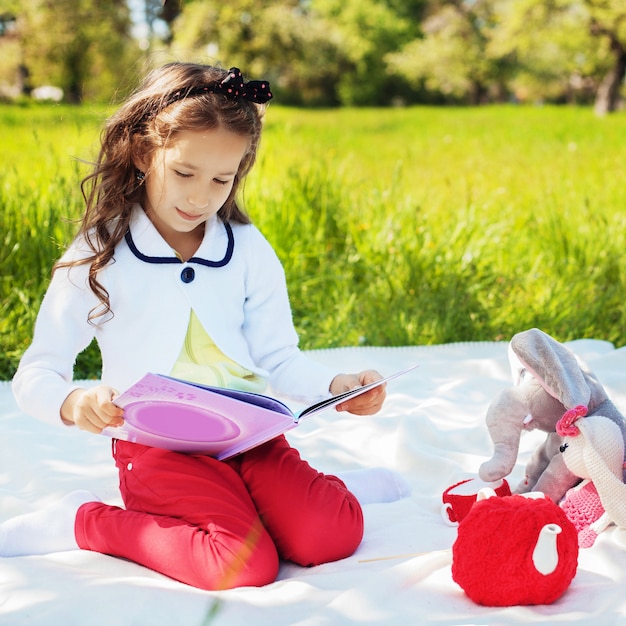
[222, 524]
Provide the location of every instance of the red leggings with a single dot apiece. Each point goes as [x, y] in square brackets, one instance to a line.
[222, 524]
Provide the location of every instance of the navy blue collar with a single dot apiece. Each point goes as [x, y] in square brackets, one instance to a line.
[230, 248]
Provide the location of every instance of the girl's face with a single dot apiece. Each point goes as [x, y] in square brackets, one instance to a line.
[188, 181]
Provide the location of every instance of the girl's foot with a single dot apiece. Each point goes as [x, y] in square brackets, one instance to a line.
[48, 530]
[376, 484]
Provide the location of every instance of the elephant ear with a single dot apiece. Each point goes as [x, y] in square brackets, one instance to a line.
[556, 368]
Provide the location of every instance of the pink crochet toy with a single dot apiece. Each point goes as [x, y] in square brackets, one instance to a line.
[593, 449]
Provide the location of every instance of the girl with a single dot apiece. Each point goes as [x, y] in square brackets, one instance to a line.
[168, 274]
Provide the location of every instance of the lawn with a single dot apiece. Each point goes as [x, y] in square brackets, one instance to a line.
[395, 226]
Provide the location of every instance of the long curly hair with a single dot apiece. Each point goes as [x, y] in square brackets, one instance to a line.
[143, 124]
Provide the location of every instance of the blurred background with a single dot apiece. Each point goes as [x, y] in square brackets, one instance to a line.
[325, 52]
[431, 171]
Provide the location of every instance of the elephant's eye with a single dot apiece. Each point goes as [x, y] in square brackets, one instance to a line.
[563, 447]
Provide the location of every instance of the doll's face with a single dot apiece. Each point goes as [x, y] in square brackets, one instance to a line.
[572, 449]
[189, 179]
[598, 449]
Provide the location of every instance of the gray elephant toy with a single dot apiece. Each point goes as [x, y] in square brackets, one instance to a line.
[549, 379]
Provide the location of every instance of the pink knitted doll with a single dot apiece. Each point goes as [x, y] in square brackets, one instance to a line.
[593, 449]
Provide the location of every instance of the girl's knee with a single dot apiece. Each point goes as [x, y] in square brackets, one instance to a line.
[326, 539]
[259, 571]
[254, 567]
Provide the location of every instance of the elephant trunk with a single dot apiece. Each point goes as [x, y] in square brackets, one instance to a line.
[501, 464]
[505, 422]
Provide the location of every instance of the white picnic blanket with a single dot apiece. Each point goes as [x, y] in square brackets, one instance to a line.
[431, 430]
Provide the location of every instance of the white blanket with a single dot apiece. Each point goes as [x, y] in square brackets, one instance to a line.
[431, 430]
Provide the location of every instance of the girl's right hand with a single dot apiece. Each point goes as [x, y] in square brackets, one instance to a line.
[92, 409]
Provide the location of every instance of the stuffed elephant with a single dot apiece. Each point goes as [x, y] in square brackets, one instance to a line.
[549, 379]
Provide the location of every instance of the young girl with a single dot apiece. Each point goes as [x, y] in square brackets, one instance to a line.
[168, 274]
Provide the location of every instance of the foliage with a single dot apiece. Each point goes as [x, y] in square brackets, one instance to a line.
[556, 50]
[452, 55]
[367, 29]
[395, 227]
[81, 46]
[274, 40]
[332, 52]
[532, 49]
[316, 52]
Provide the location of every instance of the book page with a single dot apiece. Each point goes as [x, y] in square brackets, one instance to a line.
[346, 395]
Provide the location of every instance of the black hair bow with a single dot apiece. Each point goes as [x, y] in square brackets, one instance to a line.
[234, 86]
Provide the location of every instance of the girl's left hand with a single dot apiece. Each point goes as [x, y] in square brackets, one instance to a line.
[367, 403]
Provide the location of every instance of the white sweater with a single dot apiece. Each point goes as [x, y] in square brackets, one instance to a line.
[241, 302]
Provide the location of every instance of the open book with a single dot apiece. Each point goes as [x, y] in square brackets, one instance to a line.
[169, 413]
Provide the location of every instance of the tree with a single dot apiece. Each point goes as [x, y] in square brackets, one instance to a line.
[579, 44]
[560, 50]
[273, 39]
[607, 21]
[158, 17]
[82, 46]
[452, 55]
[554, 59]
[365, 31]
[314, 51]
[13, 75]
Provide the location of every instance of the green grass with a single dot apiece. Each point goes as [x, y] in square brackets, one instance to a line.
[395, 226]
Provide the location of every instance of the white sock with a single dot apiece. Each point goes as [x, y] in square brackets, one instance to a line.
[48, 530]
[376, 484]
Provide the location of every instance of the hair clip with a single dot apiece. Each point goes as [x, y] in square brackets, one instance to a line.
[234, 86]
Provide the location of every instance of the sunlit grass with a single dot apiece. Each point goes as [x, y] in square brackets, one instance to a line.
[395, 226]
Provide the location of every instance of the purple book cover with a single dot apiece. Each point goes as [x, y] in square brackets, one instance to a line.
[176, 415]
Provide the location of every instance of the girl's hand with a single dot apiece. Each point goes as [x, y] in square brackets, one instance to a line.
[92, 409]
[367, 403]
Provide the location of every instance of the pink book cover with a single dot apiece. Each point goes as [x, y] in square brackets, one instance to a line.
[176, 415]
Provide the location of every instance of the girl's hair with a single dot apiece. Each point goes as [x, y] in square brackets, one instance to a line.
[156, 111]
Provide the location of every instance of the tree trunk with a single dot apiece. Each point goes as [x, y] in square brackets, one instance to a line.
[476, 95]
[608, 94]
